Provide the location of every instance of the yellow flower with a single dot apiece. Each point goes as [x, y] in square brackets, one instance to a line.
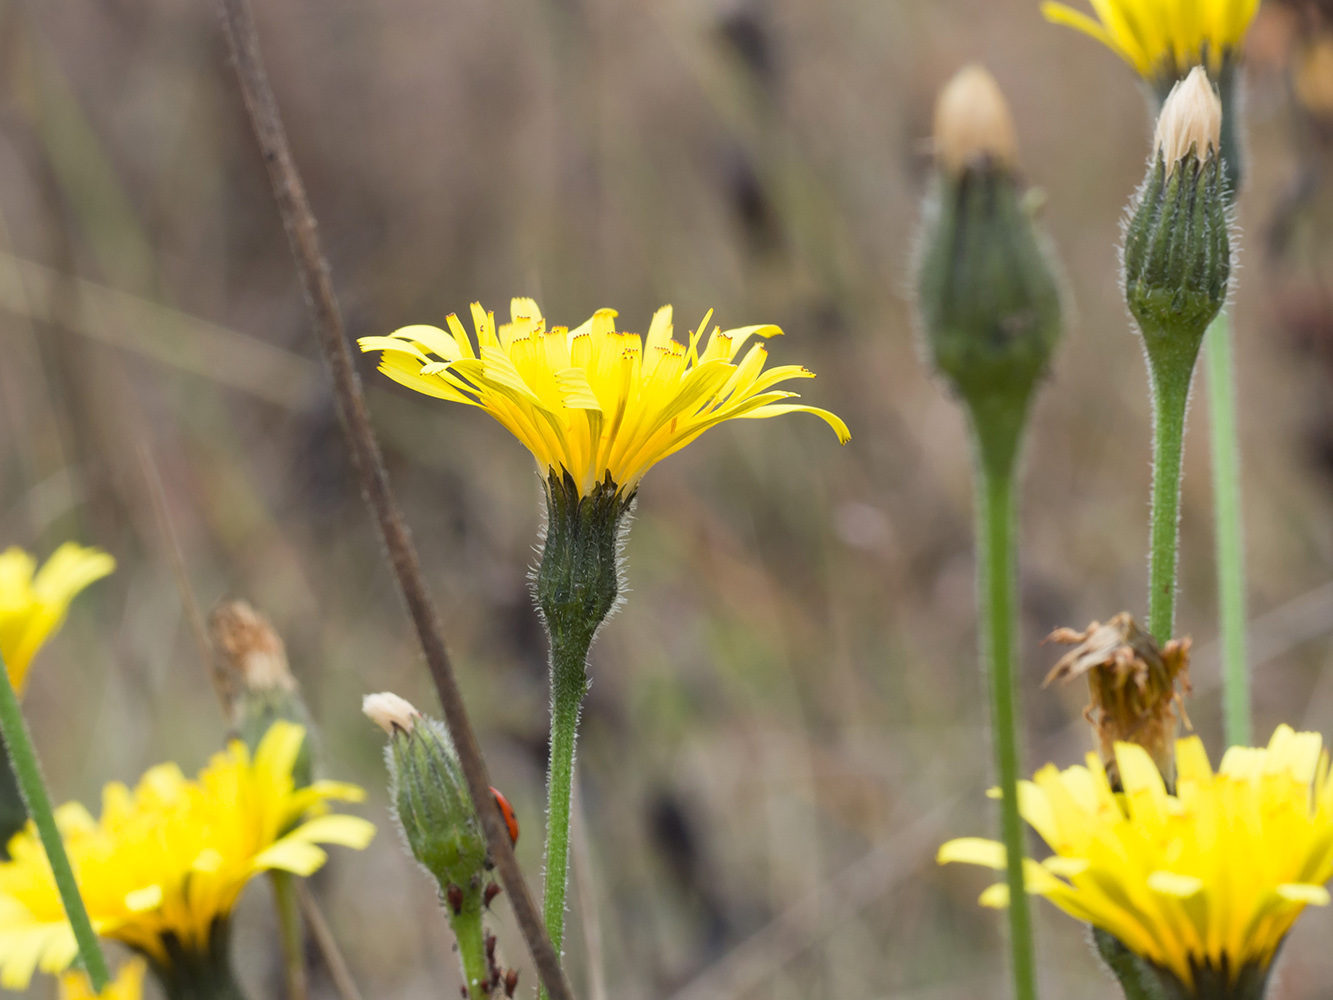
[1163, 39]
[128, 984]
[171, 857]
[1210, 878]
[33, 602]
[590, 401]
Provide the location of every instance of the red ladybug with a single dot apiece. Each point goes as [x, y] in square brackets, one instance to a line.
[507, 811]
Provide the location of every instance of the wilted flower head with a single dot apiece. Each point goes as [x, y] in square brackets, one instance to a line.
[164, 866]
[33, 602]
[599, 405]
[1204, 884]
[128, 984]
[256, 683]
[1164, 39]
[1135, 687]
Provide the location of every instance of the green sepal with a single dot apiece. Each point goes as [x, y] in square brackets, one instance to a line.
[434, 809]
[254, 714]
[989, 300]
[577, 583]
[191, 974]
[1143, 980]
[1177, 259]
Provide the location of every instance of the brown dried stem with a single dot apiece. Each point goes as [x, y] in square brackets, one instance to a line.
[313, 267]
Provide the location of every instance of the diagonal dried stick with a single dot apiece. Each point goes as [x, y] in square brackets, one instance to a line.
[313, 267]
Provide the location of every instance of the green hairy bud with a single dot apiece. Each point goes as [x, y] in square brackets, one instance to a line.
[1177, 255]
[988, 297]
[430, 796]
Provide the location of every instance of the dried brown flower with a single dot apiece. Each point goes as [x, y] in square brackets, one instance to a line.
[250, 655]
[1136, 687]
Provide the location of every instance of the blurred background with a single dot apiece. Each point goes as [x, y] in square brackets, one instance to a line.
[787, 717]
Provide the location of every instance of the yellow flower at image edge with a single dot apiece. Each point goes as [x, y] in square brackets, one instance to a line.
[1162, 39]
[128, 984]
[591, 401]
[1213, 876]
[170, 858]
[33, 602]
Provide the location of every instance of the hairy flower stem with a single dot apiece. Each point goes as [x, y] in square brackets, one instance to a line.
[291, 930]
[577, 585]
[1230, 535]
[568, 683]
[23, 758]
[997, 435]
[471, 936]
[1170, 390]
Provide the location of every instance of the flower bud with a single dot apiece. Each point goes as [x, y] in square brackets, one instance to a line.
[431, 801]
[252, 673]
[1177, 256]
[988, 299]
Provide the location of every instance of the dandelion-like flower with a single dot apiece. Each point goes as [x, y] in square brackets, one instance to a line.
[33, 602]
[591, 402]
[1203, 884]
[128, 984]
[164, 866]
[1163, 39]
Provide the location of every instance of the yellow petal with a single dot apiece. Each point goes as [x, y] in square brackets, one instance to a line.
[973, 851]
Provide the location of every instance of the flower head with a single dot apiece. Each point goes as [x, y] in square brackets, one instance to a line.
[590, 401]
[128, 984]
[1204, 882]
[1163, 39]
[167, 861]
[33, 602]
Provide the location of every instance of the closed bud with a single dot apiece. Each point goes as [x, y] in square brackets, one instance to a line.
[439, 825]
[988, 298]
[1177, 256]
[430, 799]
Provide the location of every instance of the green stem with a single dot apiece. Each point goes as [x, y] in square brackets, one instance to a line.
[567, 687]
[290, 928]
[23, 757]
[996, 586]
[1230, 536]
[1171, 390]
[577, 586]
[471, 936]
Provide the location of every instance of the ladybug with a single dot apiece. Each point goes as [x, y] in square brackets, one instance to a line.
[507, 812]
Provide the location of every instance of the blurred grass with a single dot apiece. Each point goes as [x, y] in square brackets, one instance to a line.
[792, 684]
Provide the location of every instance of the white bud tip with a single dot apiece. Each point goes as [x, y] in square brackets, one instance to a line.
[972, 123]
[390, 712]
[1191, 120]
